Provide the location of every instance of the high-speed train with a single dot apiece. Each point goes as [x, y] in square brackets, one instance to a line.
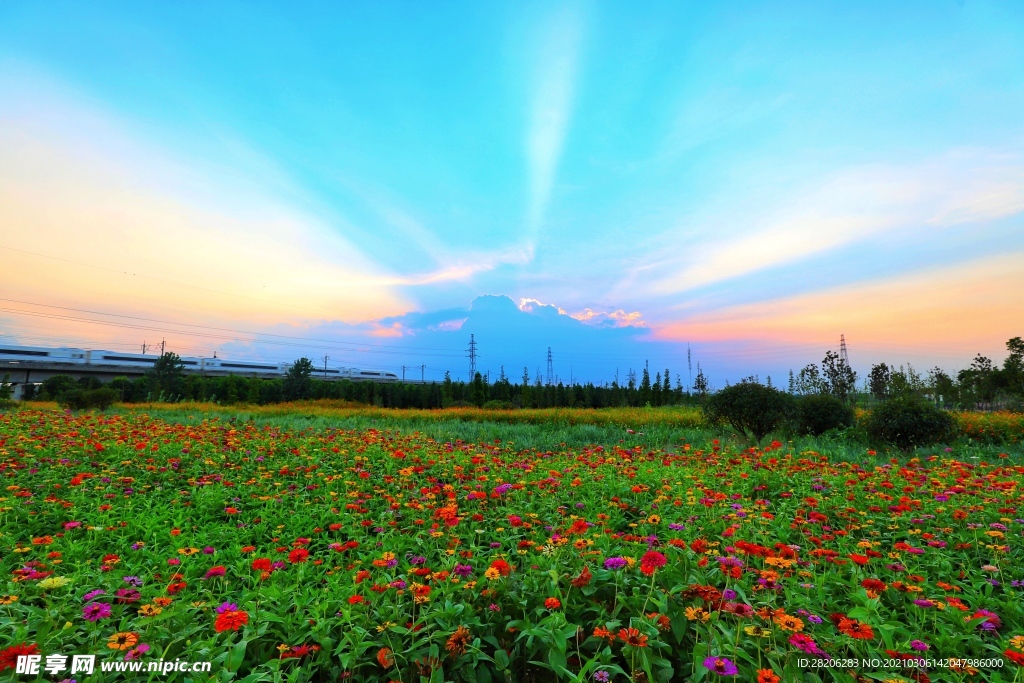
[70, 356]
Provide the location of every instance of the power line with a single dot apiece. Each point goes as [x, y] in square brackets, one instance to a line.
[551, 369]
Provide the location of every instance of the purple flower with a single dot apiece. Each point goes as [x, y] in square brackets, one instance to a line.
[127, 595]
[721, 666]
[227, 607]
[729, 594]
[814, 619]
[676, 527]
[924, 603]
[96, 611]
[502, 489]
[92, 595]
[602, 676]
[494, 608]
[208, 550]
[132, 580]
[614, 563]
[463, 570]
[919, 645]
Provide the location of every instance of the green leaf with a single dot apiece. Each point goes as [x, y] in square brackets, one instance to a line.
[236, 655]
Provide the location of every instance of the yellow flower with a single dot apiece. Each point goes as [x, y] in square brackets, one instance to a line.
[492, 574]
[188, 551]
[1017, 642]
[8, 599]
[696, 613]
[150, 610]
[757, 631]
[54, 582]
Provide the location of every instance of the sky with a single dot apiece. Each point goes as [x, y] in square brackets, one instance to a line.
[623, 183]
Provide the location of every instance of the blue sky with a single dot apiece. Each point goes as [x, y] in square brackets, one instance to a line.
[751, 179]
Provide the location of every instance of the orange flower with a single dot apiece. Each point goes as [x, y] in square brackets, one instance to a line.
[552, 603]
[384, 657]
[456, 644]
[767, 676]
[633, 637]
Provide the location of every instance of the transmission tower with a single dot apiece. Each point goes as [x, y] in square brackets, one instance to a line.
[842, 350]
[472, 358]
[551, 369]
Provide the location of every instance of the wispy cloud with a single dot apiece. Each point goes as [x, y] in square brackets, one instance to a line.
[852, 205]
[558, 41]
[960, 309]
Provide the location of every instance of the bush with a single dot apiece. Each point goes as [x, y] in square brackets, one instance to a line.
[751, 408]
[907, 422]
[818, 413]
[77, 399]
[498, 405]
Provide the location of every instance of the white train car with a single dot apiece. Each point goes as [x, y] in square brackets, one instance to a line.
[134, 360]
[40, 354]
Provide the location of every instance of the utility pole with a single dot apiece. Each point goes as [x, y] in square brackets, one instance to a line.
[551, 368]
[162, 342]
[423, 370]
[403, 373]
[689, 367]
[326, 358]
[143, 348]
[472, 357]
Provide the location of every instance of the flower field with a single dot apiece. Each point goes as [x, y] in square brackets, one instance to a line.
[334, 554]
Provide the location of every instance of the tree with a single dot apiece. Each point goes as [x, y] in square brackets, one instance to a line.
[751, 408]
[1013, 367]
[809, 381]
[700, 383]
[298, 381]
[878, 381]
[840, 379]
[167, 376]
[5, 389]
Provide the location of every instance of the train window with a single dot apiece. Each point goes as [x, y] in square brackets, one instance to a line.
[22, 352]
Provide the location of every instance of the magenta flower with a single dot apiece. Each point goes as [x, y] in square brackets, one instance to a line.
[96, 611]
[721, 666]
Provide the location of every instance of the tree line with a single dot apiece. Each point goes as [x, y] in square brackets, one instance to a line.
[982, 385]
[167, 381]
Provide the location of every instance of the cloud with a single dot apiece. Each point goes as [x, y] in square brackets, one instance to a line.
[555, 72]
[618, 318]
[950, 312]
[142, 228]
[961, 187]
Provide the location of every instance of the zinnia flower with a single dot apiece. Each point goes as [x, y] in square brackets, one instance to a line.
[721, 666]
[230, 621]
[123, 641]
[96, 611]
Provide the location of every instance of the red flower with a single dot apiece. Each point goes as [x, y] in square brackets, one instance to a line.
[356, 600]
[552, 603]
[651, 561]
[262, 564]
[230, 621]
[9, 657]
[298, 556]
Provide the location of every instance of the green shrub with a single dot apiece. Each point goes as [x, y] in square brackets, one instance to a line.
[77, 399]
[498, 405]
[907, 422]
[751, 408]
[818, 413]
